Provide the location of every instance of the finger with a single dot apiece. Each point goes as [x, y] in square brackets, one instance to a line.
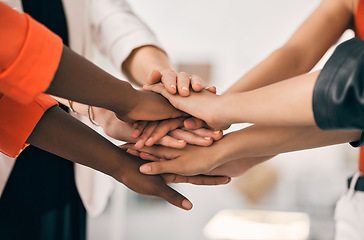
[196, 180]
[194, 123]
[171, 166]
[203, 132]
[154, 77]
[138, 128]
[158, 88]
[169, 79]
[183, 84]
[148, 157]
[196, 83]
[172, 142]
[191, 138]
[146, 134]
[212, 89]
[158, 151]
[162, 129]
[174, 197]
[133, 152]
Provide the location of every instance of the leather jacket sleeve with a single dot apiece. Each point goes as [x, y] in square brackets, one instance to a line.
[338, 97]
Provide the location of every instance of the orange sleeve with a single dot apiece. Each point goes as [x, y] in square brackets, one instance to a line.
[18, 120]
[361, 160]
[29, 53]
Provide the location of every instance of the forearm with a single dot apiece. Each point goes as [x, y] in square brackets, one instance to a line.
[142, 61]
[61, 134]
[106, 119]
[285, 103]
[80, 80]
[280, 65]
[258, 141]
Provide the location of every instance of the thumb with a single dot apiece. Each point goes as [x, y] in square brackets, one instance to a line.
[154, 77]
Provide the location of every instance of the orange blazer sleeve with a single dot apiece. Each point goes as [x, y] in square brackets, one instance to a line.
[18, 120]
[29, 55]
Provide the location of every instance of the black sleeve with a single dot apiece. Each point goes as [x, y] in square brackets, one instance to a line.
[338, 97]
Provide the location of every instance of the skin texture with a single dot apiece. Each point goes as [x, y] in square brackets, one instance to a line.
[298, 56]
[61, 134]
[245, 147]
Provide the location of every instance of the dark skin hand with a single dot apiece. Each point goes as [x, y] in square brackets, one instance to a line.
[82, 81]
[61, 134]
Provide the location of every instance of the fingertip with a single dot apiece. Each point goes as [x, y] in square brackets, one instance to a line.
[186, 204]
[189, 123]
[139, 144]
[146, 169]
[197, 86]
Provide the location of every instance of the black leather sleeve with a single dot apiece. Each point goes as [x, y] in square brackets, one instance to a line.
[338, 97]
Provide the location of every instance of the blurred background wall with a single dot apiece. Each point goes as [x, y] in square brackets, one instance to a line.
[222, 40]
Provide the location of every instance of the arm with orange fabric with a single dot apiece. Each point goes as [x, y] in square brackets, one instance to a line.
[33, 60]
[61, 134]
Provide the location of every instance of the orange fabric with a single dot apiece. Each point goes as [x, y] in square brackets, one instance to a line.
[359, 32]
[361, 160]
[19, 120]
[27, 71]
[359, 20]
[29, 58]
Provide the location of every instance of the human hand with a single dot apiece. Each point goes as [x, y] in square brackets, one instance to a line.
[156, 185]
[148, 106]
[176, 82]
[202, 105]
[238, 167]
[150, 133]
[189, 161]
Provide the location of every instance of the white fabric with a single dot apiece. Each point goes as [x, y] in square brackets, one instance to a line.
[117, 31]
[349, 214]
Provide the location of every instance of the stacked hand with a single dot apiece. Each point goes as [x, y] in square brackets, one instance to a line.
[158, 122]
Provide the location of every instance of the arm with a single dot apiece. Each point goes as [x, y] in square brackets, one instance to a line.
[303, 50]
[80, 80]
[285, 103]
[250, 142]
[122, 36]
[61, 134]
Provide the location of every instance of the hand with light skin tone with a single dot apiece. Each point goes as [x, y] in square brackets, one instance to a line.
[150, 65]
[61, 134]
[153, 132]
[250, 142]
[271, 101]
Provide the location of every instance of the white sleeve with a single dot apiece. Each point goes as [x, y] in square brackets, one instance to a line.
[117, 31]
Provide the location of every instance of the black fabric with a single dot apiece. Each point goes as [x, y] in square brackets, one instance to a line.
[359, 186]
[50, 13]
[338, 97]
[40, 200]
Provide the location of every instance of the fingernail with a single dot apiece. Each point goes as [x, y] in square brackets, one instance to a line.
[186, 204]
[172, 86]
[217, 132]
[128, 150]
[145, 169]
[181, 141]
[207, 138]
[184, 88]
[198, 83]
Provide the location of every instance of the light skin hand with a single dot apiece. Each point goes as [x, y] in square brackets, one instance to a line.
[189, 161]
[201, 105]
[156, 132]
[176, 82]
[238, 167]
